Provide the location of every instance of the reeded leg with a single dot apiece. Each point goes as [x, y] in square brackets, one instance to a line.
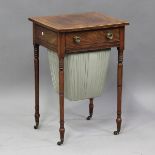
[91, 107]
[36, 68]
[119, 90]
[61, 100]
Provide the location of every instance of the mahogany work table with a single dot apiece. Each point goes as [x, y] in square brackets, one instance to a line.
[75, 33]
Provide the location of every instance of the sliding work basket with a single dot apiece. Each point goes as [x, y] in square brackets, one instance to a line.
[84, 73]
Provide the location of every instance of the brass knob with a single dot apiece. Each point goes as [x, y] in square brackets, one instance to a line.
[110, 35]
[76, 39]
[42, 33]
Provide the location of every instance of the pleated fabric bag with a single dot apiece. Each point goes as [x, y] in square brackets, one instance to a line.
[84, 73]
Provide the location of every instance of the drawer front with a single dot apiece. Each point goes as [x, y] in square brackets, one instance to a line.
[45, 37]
[92, 40]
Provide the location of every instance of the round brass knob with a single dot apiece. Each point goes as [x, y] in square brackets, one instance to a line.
[76, 39]
[110, 35]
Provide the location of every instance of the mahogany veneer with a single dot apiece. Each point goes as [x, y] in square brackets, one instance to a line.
[76, 33]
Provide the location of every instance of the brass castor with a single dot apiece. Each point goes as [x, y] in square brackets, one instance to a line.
[89, 117]
[36, 126]
[60, 142]
[91, 107]
[116, 132]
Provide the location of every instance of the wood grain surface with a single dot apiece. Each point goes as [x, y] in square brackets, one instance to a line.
[76, 22]
[90, 40]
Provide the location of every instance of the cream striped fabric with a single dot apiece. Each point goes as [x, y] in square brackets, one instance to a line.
[84, 73]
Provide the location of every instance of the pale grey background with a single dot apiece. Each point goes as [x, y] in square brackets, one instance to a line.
[82, 137]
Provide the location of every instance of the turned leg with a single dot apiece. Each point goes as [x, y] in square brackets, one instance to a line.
[61, 100]
[36, 68]
[119, 90]
[91, 107]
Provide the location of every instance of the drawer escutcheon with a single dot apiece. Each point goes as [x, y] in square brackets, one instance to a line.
[76, 39]
[110, 35]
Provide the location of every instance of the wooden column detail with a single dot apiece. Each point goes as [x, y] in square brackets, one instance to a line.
[61, 53]
[36, 68]
[119, 81]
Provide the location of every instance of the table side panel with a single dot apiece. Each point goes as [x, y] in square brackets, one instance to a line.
[45, 37]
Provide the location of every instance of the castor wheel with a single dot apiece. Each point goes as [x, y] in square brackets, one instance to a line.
[116, 132]
[89, 117]
[36, 126]
[60, 142]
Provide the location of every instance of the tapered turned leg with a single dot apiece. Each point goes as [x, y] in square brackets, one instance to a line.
[36, 68]
[119, 90]
[61, 100]
[91, 107]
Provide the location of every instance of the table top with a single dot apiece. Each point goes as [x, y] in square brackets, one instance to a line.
[78, 22]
